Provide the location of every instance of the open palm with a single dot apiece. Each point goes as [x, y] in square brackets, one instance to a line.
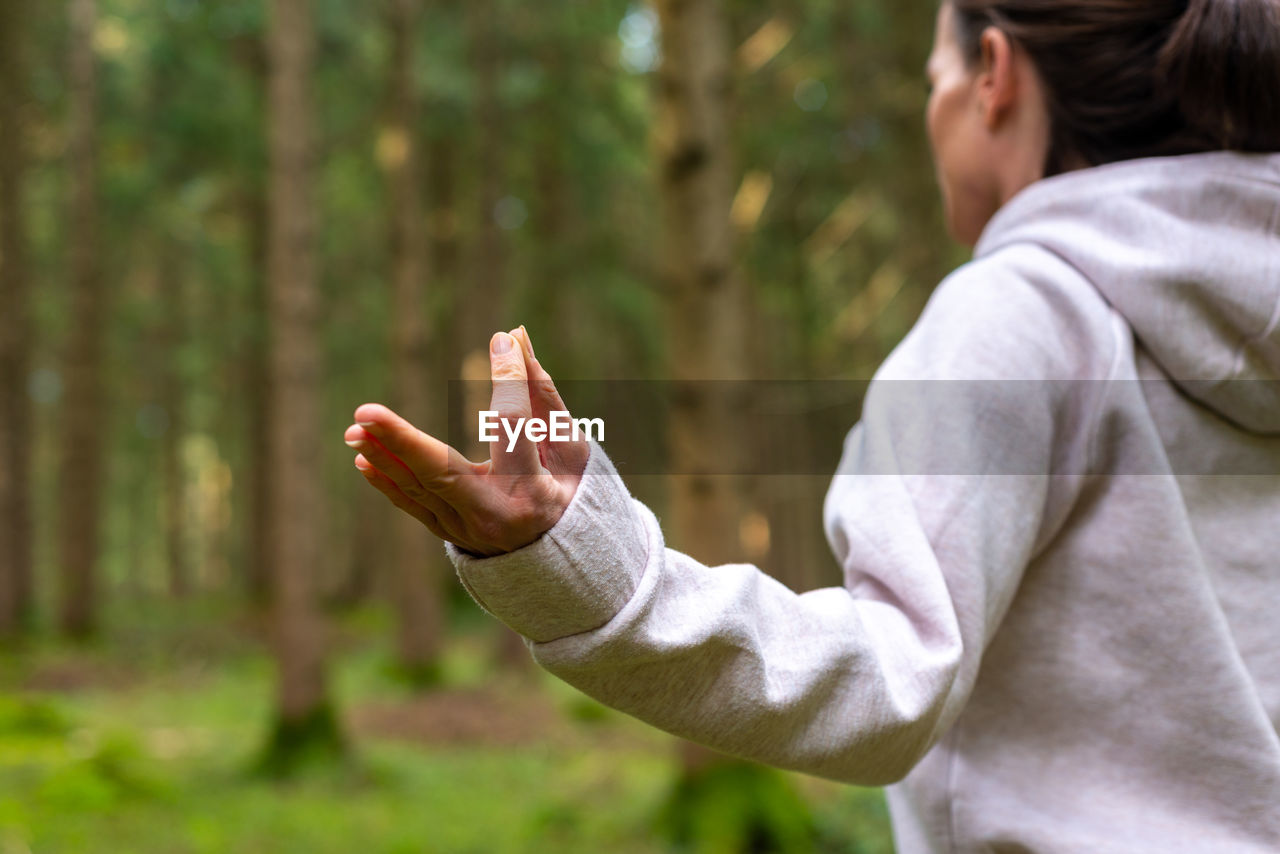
[486, 508]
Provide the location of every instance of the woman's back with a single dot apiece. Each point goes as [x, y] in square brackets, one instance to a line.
[1130, 698]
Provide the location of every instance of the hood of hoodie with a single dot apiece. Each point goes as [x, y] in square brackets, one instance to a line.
[1187, 250]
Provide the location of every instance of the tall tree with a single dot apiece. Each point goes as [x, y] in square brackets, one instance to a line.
[416, 563]
[489, 294]
[172, 332]
[553, 189]
[15, 343]
[305, 722]
[707, 321]
[253, 370]
[487, 304]
[446, 261]
[256, 371]
[703, 293]
[80, 479]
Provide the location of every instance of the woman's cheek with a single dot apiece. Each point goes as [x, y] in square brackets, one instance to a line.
[943, 160]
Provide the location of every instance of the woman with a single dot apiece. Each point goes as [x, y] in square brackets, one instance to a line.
[1057, 629]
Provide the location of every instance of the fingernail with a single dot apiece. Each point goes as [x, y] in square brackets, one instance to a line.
[354, 443]
[527, 341]
[501, 343]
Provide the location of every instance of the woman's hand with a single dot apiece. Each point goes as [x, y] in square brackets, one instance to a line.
[486, 508]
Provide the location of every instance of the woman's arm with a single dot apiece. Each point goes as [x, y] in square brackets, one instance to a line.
[943, 496]
[850, 683]
[853, 683]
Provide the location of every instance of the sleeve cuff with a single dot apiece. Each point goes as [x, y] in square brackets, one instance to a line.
[576, 576]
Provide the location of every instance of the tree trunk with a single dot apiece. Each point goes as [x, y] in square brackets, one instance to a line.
[15, 334]
[258, 424]
[707, 317]
[305, 719]
[557, 309]
[417, 555]
[704, 296]
[253, 371]
[485, 307]
[859, 58]
[445, 260]
[82, 415]
[172, 334]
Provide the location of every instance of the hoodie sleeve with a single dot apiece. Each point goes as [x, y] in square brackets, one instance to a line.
[943, 495]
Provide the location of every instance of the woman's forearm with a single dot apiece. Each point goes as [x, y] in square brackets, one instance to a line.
[822, 682]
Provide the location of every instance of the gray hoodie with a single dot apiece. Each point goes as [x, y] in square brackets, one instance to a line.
[1059, 526]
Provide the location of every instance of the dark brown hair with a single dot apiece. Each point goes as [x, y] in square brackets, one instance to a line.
[1143, 78]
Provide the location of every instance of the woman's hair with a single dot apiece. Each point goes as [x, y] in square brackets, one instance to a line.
[1143, 78]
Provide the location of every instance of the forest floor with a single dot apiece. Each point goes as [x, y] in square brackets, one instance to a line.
[143, 741]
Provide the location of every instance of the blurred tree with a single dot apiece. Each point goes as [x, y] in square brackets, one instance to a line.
[83, 421]
[445, 253]
[170, 330]
[15, 331]
[445, 259]
[552, 188]
[488, 299]
[259, 427]
[254, 363]
[487, 305]
[306, 725]
[416, 563]
[173, 332]
[710, 362]
[442, 122]
[704, 295]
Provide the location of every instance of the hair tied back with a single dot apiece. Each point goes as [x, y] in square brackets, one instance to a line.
[1222, 64]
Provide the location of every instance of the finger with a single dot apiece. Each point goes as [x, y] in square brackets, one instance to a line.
[431, 520]
[539, 406]
[387, 487]
[532, 371]
[373, 453]
[560, 457]
[383, 460]
[543, 394]
[522, 335]
[437, 466]
[513, 453]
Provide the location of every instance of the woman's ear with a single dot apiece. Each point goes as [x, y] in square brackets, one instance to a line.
[998, 78]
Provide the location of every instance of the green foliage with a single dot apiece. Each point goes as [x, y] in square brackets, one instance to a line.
[735, 807]
[115, 770]
[420, 677]
[298, 746]
[586, 710]
[856, 823]
[159, 767]
[32, 718]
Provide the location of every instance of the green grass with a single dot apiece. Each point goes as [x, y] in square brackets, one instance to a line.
[142, 744]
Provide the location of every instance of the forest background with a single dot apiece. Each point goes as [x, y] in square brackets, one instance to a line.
[223, 225]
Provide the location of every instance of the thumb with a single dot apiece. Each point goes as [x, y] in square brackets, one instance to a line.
[512, 453]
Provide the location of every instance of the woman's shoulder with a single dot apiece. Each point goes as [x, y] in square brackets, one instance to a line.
[1021, 312]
